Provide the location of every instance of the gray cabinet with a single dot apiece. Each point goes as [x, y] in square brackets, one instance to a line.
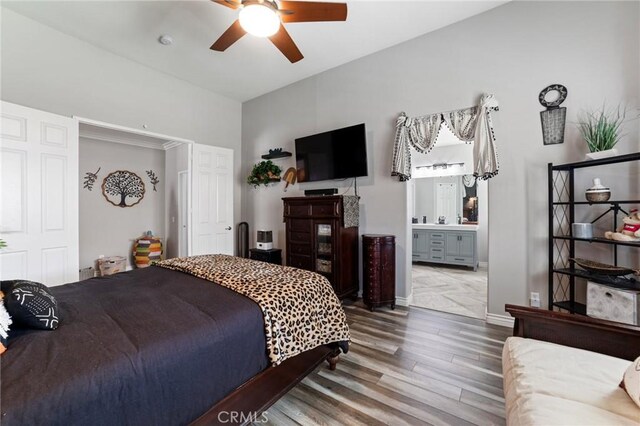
[420, 245]
[451, 247]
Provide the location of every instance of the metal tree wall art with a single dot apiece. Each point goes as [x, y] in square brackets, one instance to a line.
[90, 179]
[123, 188]
[554, 118]
[153, 179]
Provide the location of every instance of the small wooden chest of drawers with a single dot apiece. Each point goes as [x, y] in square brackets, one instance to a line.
[379, 270]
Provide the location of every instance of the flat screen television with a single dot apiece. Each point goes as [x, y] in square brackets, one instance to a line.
[338, 154]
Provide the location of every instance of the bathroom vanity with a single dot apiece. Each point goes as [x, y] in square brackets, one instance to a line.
[450, 244]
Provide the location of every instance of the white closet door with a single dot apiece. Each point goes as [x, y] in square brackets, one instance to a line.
[39, 195]
[212, 200]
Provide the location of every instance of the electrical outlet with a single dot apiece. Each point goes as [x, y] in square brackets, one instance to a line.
[534, 300]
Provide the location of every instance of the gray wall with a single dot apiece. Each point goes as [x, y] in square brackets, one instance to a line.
[513, 51]
[104, 228]
[45, 69]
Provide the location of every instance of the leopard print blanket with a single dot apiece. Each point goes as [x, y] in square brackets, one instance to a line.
[300, 309]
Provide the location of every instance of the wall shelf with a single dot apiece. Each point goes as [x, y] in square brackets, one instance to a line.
[274, 155]
[562, 245]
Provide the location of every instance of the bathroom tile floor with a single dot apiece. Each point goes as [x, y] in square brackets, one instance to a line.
[452, 289]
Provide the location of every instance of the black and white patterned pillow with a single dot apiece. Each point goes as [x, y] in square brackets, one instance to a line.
[5, 322]
[31, 304]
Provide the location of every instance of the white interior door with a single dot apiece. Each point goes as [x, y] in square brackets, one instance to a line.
[39, 195]
[212, 200]
[446, 201]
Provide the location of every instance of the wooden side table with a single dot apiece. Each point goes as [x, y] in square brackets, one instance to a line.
[379, 270]
[269, 256]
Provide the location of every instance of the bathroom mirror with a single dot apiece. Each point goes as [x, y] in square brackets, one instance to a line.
[447, 196]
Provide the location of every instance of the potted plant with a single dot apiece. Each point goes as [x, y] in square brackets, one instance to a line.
[601, 131]
[264, 173]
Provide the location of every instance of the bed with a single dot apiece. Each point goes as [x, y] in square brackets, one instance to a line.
[151, 346]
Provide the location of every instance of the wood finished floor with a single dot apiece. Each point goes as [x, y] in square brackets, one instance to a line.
[405, 367]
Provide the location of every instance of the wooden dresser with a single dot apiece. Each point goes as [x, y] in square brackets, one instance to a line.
[317, 240]
[379, 270]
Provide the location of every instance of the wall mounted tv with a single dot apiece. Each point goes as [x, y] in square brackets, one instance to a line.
[338, 154]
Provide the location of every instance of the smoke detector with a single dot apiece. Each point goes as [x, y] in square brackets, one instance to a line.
[165, 40]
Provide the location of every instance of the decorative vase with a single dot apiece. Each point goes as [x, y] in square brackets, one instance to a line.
[147, 250]
[602, 154]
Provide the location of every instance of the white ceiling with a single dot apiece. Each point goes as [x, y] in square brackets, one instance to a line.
[252, 66]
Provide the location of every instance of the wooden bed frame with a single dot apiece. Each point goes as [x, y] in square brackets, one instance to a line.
[578, 331]
[247, 403]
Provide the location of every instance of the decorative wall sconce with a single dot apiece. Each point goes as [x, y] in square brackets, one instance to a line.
[554, 118]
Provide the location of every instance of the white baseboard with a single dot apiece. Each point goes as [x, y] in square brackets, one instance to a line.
[404, 301]
[501, 320]
[483, 264]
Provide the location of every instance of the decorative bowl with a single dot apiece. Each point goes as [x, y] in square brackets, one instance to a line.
[598, 195]
[603, 268]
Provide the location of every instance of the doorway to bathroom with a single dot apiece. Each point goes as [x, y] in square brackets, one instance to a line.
[448, 226]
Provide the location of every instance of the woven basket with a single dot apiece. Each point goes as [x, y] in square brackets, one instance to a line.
[147, 251]
[112, 265]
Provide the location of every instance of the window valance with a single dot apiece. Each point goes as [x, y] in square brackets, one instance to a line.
[469, 125]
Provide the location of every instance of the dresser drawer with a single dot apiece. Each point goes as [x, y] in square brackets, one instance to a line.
[325, 209]
[459, 259]
[437, 243]
[299, 225]
[300, 237]
[300, 210]
[613, 304]
[436, 235]
[303, 249]
[299, 261]
[437, 251]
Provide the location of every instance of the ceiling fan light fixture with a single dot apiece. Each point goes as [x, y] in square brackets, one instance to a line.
[259, 20]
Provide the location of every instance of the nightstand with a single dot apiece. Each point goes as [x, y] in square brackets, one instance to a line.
[269, 256]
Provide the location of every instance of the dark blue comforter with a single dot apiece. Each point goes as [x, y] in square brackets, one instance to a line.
[151, 346]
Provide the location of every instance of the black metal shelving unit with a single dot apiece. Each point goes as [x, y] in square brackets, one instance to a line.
[562, 204]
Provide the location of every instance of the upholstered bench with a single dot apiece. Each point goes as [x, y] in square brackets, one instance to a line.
[556, 384]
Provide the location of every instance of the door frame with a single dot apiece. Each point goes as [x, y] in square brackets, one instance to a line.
[186, 174]
[409, 209]
[165, 142]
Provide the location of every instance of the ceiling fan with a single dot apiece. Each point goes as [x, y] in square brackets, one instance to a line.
[265, 18]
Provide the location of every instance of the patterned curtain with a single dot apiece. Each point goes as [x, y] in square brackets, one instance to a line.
[469, 124]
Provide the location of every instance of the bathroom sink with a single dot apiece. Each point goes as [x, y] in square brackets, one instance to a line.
[451, 226]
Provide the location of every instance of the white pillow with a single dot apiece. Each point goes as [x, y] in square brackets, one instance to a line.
[631, 381]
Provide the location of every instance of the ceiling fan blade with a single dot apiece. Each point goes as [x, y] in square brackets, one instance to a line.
[229, 3]
[233, 34]
[312, 11]
[285, 44]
